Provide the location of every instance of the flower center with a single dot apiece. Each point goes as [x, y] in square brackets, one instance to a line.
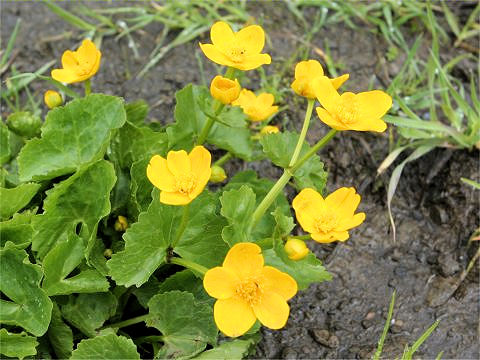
[82, 68]
[237, 54]
[250, 290]
[326, 223]
[347, 109]
[185, 184]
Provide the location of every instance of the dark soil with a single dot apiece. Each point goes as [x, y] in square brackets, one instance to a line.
[435, 212]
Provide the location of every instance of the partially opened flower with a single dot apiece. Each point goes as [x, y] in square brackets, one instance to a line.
[257, 108]
[52, 99]
[224, 90]
[328, 219]
[247, 290]
[78, 65]
[181, 177]
[240, 50]
[306, 72]
[296, 249]
[349, 111]
[269, 129]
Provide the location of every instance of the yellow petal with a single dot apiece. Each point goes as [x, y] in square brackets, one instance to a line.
[215, 55]
[326, 93]
[340, 235]
[252, 62]
[234, 317]
[343, 201]
[377, 125]
[252, 38]
[222, 35]
[372, 105]
[174, 198]
[279, 282]
[266, 99]
[307, 204]
[309, 69]
[179, 163]
[323, 238]
[220, 282]
[87, 52]
[200, 159]
[96, 66]
[244, 259]
[326, 118]
[272, 311]
[65, 76]
[350, 223]
[159, 175]
[68, 60]
[338, 81]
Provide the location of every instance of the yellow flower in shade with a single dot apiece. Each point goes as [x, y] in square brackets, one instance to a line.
[349, 111]
[52, 99]
[269, 129]
[296, 249]
[328, 219]
[247, 290]
[224, 90]
[240, 50]
[181, 177]
[306, 72]
[121, 224]
[78, 65]
[257, 108]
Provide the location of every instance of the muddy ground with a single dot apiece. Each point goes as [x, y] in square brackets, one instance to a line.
[435, 213]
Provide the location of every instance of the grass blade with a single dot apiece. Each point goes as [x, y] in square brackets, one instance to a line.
[10, 44]
[69, 17]
[420, 341]
[475, 184]
[378, 352]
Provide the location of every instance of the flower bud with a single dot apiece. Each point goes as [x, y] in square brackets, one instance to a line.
[269, 129]
[108, 253]
[121, 224]
[52, 99]
[24, 123]
[218, 174]
[296, 249]
[224, 90]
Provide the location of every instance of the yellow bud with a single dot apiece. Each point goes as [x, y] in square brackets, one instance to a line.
[52, 99]
[121, 224]
[224, 90]
[218, 174]
[296, 249]
[269, 129]
[108, 253]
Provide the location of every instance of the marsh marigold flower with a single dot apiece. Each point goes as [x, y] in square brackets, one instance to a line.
[306, 72]
[349, 111]
[269, 129]
[296, 249]
[78, 65]
[240, 50]
[246, 290]
[181, 177]
[257, 108]
[224, 90]
[328, 219]
[52, 99]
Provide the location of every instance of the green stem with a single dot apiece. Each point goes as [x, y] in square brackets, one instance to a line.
[88, 87]
[128, 322]
[148, 339]
[206, 129]
[223, 159]
[303, 133]
[323, 141]
[189, 265]
[182, 226]
[300, 237]
[230, 73]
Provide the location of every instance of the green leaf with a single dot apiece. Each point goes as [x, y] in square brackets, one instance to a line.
[88, 312]
[279, 149]
[137, 112]
[229, 350]
[17, 230]
[187, 326]
[84, 198]
[17, 345]
[61, 261]
[29, 306]
[73, 135]
[108, 346]
[17, 198]
[237, 208]
[4, 144]
[60, 335]
[140, 188]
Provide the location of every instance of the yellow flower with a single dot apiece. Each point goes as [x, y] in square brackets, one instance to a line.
[349, 111]
[224, 90]
[240, 50]
[78, 65]
[306, 72]
[181, 177]
[218, 174]
[328, 219]
[121, 224]
[257, 108]
[247, 290]
[269, 129]
[52, 99]
[296, 249]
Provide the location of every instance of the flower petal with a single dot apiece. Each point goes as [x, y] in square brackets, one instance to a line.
[68, 60]
[244, 259]
[326, 118]
[266, 99]
[323, 238]
[309, 69]
[343, 201]
[377, 125]
[373, 105]
[252, 38]
[279, 282]
[350, 223]
[200, 160]
[220, 282]
[326, 93]
[252, 62]
[215, 55]
[174, 198]
[87, 52]
[234, 317]
[222, 35]
[272, 311]
[159, 175]
[178, 163]
[338, 81]
[65, 76]
[307, 204]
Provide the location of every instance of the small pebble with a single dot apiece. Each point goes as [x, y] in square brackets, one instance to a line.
[321, 336]
[289, 354]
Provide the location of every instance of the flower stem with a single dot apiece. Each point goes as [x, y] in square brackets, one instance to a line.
[88, 87]
[323, 141]
[128, 322]
[189, 265]
[230, 73]
[223, 159]
[182, 226]
[303, 133]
